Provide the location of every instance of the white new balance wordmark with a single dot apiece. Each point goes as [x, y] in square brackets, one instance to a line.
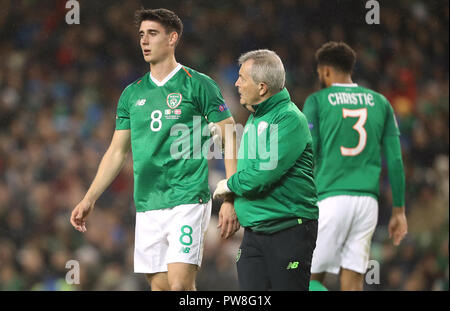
[141, 102]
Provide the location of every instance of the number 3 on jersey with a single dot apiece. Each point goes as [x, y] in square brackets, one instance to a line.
[156, 123]
[361, 114]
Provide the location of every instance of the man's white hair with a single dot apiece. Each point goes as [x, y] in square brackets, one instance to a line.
[267, 68]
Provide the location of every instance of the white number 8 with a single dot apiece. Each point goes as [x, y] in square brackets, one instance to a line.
[156, 118]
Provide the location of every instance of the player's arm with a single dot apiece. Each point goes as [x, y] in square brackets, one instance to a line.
[398, 226]
[213, 107]
[310, 109]
[259, 177]
[228, 135]
[109, 167]
[228, 222]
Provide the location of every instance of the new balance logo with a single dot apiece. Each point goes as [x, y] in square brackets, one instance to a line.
[141, 102]
[185, 250]
[292, 265]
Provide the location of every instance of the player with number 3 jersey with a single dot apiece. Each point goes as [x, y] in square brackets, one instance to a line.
[351, 127]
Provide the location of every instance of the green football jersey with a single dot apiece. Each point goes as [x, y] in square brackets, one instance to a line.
[169, 135]
[274, 182]
[348, 124]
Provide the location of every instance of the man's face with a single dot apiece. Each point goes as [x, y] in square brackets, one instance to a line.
[155, 42]
[247, 88]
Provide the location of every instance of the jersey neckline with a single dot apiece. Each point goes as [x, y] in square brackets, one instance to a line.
[345, 84]
[167, 78]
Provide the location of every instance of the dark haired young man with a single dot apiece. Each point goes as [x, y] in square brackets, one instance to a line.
[171, 191]
[351, 127]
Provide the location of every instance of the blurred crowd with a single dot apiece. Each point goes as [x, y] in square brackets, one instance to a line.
[59, 87]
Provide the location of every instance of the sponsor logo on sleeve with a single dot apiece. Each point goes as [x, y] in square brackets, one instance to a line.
[223, 107]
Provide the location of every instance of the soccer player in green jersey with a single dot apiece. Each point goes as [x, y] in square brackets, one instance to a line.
[351, 128]
[171, 190]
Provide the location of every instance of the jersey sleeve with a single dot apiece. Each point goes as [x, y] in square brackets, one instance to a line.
[291, 141]
[393, 153]
[310, 110]
[210, 100]
[123, 112]
[396, 174]
[390, 125]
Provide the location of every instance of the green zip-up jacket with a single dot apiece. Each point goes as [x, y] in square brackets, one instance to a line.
[274, 183]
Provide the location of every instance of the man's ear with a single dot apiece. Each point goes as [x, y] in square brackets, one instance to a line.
[173, 38]
[328, 70]
[263, 89]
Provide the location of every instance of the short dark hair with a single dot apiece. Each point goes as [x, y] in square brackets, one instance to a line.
[338, 55]
[168, 19]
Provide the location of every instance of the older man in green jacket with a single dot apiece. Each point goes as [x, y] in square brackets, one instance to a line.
[275, 194]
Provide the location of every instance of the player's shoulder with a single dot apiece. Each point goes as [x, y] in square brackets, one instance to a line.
[377, 95]
[315, 96]
[135, 84]
[199, 77]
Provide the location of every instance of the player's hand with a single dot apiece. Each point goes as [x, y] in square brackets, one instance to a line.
[221, 190]
[215, 133]
[79, 215]
[228, 222]
[398, 226]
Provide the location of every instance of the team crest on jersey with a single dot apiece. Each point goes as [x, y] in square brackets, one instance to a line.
[174, 100]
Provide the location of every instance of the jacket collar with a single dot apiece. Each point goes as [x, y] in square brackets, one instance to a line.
[267, 105]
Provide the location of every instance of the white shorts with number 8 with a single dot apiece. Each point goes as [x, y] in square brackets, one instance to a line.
[170, 235]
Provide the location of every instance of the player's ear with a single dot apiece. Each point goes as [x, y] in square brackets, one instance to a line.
[173, 38]
[327, 71]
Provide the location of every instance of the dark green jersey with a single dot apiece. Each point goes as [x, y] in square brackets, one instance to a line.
[168, 123]
[349, 125]
[274, 182]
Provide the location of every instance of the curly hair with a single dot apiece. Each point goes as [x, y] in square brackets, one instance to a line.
[338, 55]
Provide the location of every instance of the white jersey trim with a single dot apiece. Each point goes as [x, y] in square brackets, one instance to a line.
[166, 79]
[345, 84]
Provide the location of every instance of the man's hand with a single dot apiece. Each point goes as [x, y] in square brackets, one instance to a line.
[398, 226]
[228, 222]
[79, 215]
[221, 190]
[215, 134]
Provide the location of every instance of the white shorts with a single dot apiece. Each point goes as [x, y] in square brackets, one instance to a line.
[346, 226]
[170, 235]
